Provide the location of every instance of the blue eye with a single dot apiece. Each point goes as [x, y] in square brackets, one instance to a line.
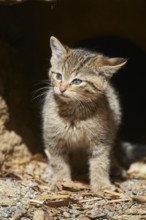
[58, 76]
[77, 81]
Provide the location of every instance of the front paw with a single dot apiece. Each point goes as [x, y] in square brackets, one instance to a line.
[55, 184]
[100, 188]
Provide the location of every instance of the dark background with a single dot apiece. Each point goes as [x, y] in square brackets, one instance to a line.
[115, 28]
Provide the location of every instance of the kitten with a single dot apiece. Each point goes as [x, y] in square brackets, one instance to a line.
[81, 113]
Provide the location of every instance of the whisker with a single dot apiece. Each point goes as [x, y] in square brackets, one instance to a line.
[40, 95]
[45, 81]
[40, 92]
[40, 89]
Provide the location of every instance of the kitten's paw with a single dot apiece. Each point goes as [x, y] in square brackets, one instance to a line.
[99, 189]
[52, 184]
[57, 183]
[110, 187]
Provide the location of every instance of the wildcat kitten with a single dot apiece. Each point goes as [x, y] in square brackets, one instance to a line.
[81, 112]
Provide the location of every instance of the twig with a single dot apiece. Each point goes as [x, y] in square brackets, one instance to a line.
[53, 197]
[90, 200]
[113, 193]
[119, 200]
[36, 201]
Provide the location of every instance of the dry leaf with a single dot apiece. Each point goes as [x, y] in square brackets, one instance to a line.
[139, 199]
[59, 185]
[56, 204]
[40, 158]
[74, 186]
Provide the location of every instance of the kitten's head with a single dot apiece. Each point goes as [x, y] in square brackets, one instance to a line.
[81, 75]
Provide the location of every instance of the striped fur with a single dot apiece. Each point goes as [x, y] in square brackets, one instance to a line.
[81, 113]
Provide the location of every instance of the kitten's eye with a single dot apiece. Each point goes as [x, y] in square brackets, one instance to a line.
[58, 76]
[77, 81]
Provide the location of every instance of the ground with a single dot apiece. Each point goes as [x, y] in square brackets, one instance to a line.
[25, 194]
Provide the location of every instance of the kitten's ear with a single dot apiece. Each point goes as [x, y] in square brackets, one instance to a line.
[112, 66]
[58, 50]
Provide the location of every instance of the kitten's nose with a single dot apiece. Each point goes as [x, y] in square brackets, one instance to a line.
[62, 89]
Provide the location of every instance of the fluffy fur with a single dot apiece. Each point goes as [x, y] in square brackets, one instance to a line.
[81, 113]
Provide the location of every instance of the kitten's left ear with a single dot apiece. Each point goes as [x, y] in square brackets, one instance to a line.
[112, 66]
[58, 50]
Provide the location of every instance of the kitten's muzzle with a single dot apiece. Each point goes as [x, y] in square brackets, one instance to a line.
[63, 87]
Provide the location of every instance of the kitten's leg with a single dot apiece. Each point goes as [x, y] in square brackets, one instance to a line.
[116, 171]
[99, 167]
[60, 168]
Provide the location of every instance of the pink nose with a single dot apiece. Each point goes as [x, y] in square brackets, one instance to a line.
[62, 90]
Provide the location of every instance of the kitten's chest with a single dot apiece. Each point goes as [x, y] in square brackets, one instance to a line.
[75, 133]
[69, 131]
[72, 133]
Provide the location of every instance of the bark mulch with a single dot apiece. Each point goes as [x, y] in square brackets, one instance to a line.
[25, 194]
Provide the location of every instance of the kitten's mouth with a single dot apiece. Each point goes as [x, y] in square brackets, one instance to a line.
[61, 95]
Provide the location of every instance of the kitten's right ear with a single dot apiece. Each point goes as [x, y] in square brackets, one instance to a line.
[58, 50]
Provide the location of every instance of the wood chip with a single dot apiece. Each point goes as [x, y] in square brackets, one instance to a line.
[56, 204]
[139, 199]
[113, 193]
[52, 197]
[118, 200]
[90, 200]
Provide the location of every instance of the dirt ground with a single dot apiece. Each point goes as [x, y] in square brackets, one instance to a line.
[25, 194]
